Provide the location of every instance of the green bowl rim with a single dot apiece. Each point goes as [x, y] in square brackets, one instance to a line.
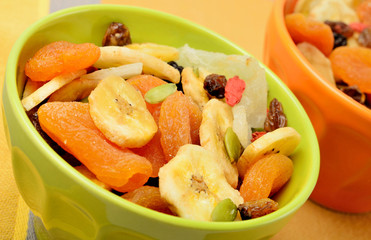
[27, 127]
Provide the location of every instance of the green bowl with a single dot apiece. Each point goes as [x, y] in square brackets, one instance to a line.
[71, 206]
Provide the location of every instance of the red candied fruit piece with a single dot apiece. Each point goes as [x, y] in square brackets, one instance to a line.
[60, 57]
[234, 90]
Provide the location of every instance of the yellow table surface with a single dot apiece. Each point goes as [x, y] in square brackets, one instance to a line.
[241, 21]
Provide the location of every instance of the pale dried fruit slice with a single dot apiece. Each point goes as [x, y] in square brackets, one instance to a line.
[193, 86]
[48, 88]
[282, 140]
[113, 56]
[163, 52]
[120, 112]
[318, 60]
[217, 117]
[31, 86]
[193, 183]
[80, 88]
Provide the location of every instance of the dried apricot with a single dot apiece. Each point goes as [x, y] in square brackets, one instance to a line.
[149, 197]
[353, 66]
[364, 12]
[303, 29]
[69, 124]
[266, 177]
[60, 57]
[179, 123]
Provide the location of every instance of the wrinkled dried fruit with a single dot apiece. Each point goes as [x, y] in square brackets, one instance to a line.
[276, 118]
[339, 40]
[215, 84]
[340, 28]
[257, 208]
[353, 66]
[353, 92]
[117, 34]
[364, 38]
[304, 29]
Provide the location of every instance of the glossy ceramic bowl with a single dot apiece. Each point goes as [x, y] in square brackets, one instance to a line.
[72, 207]
[342, 125]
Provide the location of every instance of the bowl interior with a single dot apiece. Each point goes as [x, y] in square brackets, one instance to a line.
[88, 24]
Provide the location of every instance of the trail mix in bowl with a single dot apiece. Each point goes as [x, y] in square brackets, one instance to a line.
[335, 37]
[181, 131]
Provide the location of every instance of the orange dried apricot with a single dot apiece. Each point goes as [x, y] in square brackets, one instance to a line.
[179, 123]
[353, 66]
[174, 124]
[60, 57]
[69, 124]
[266, 177]
[149, 197]
[364, 12]
[303, 29]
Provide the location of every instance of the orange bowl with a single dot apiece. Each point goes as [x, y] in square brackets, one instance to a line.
[342, 125]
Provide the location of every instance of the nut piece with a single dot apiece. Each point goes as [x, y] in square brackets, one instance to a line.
[117, 34]
[257, 208]
[276, 118]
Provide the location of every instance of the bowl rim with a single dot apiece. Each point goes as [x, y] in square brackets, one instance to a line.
[335, 94]
[46, 150]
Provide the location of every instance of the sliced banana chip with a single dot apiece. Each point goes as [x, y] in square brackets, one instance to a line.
[113, 56]
[81, 88]
[193, 183]
[193, 86]
[282, 140]
[48, 88]
[217, 117]
[163, 52]
[121, 114]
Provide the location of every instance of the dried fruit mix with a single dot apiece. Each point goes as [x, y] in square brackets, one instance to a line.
[145, 122]
[348, 61]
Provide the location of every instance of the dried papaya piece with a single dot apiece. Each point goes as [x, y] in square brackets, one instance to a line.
[304, 29]
[266, 177]
[60, 57]
[353, 66]
[69, 124]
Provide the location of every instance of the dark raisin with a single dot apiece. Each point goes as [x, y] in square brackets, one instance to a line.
[257, 208]
[353, 92]
[176, 66]
[364, 38]
[117, 34]
[276, 118]
[214, 84]
[339, 40]
[180, 69]
[340, 28]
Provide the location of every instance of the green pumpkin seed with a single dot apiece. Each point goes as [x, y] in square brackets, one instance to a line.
[225, 211]
[160, 93]
[232, 145]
